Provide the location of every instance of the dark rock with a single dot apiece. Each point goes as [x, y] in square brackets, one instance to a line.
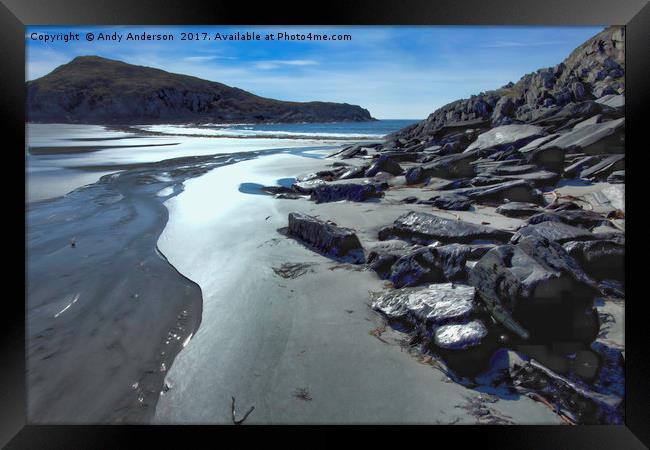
[437, 304]
[514, 190]
[419, 267]
[537, 143]
[306, 187]
[514, 169]
[289, 196]
[351, 151]
[451, 202]
[602, 259]
[504, 109]
[612, 101]
[450, 166]
[434, 264]
[482, 181]
[352, 192]
[593, 139]
[617, 176]
[426, 228]
[540, 178]
[536, 290]
[563, 206]
[353, 172]
[382, 263]
[443, 317]
[572, 399]
[327, 175]
[515, 135]
[401, 156]
[554, 231]
[409, 199]
[331, 240]
[518, 209]
[605, 167]
[583, 163]
[548, 157]
[274, 190]
[570, 216]
[451, 184]
[384, 164]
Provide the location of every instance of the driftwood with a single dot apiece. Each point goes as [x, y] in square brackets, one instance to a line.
[234, 415]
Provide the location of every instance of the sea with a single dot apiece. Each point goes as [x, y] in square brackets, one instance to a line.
[60, 158]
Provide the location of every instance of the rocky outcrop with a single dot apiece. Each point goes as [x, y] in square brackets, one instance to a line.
[594, 70]
[90, 89]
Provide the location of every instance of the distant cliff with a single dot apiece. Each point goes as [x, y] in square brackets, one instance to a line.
[90, 89]
[594, 69]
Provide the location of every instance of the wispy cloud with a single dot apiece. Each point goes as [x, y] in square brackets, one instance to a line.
[200, 58]
[274, 64]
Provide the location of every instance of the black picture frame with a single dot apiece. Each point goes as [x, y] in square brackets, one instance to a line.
[15, 14]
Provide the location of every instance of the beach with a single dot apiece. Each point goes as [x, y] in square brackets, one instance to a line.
[164, 286]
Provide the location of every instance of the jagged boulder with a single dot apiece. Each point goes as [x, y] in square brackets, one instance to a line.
[326, 237]
[536, 290]
[434, 264]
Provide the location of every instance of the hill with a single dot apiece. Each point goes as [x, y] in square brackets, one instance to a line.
[91, 89]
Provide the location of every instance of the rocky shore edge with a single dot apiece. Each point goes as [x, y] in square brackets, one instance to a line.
[515, 308]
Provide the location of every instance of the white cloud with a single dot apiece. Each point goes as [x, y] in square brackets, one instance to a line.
[275, 63]
[200, 58]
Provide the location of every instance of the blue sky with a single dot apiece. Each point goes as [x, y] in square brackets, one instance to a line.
[394, 72]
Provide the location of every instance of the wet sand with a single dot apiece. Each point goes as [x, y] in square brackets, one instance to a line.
[106, 312]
